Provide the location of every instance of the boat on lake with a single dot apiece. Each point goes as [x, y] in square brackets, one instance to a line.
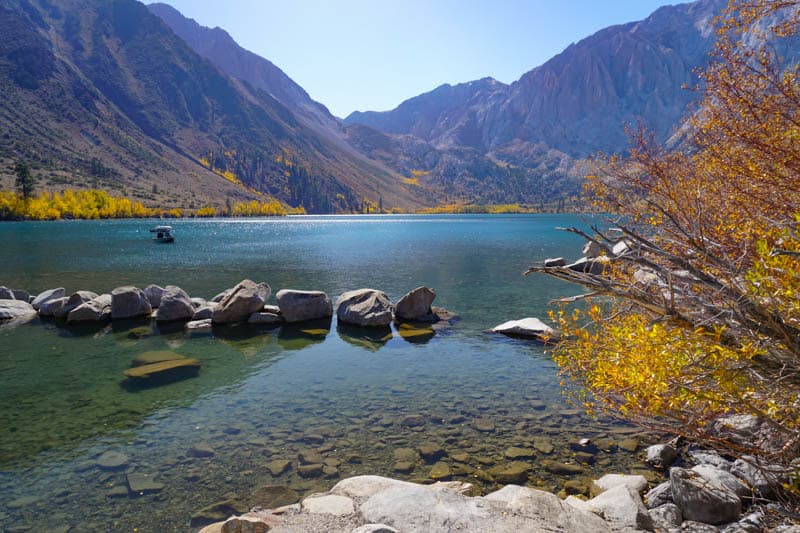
[163, 234]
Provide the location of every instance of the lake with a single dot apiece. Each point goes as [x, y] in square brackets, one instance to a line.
[270, 406]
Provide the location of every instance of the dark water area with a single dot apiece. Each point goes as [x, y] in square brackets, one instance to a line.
[331, 401]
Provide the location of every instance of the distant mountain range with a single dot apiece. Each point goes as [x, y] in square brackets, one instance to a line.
[121, 95]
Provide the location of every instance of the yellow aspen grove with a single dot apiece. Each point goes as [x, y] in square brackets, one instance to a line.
[694, 313]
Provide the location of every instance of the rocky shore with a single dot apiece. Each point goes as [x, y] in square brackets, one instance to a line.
[705, 492]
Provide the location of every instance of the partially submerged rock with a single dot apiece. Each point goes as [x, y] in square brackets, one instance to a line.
[129, 302]
[153, 294]
[11, 309]
[175, 304]
[300, 306]
[267, 319]
[530, 327]
[94, 310]
[46, 296]
[75, 300]
[364, 307]
[416, 306]
[246, 298]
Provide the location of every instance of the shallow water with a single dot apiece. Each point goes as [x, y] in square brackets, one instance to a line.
[272, 394]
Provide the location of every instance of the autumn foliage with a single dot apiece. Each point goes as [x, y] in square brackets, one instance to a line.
[699, 315]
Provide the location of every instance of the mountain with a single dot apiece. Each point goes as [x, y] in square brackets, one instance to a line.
[103, 92]
[544, 124]
[218, 47]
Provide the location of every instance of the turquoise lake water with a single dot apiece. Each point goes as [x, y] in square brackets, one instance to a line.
[269, 395]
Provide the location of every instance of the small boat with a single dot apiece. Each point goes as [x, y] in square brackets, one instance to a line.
[163, 234]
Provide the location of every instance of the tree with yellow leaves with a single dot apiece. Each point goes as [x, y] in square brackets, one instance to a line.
[694, 313]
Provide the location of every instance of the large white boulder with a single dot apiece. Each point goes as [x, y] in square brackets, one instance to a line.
[526, 327]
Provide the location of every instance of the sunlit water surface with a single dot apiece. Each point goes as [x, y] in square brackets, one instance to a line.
[271, 394]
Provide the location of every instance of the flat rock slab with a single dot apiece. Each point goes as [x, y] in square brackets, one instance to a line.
[149, 371]
[143, 484]
[149, 358]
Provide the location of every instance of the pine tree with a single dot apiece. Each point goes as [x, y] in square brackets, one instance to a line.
[24, 179]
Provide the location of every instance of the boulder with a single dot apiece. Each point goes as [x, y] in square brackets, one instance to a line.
[221, 296]
[50, 294]
[51, 307]
[661, 455]
[622, 508]
[129, 302]
[364, 307]
[416, 305]
[708, 457]
[198, 302]
[665, 517]
[659, 495]
[702, 501]
[332, 504]
[204, 312]
[269, 319]
[527, 327]
[245, 298]
[722, 479]
[75, 300]
[94, 310]
[762, 479]
[10, 309]
[174, 305]
[153, 294]
[19, 294]
[299, 306]
[541, 511]
[609, 481]
[6, 293]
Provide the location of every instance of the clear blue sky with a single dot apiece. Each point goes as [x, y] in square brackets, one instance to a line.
[373, 54]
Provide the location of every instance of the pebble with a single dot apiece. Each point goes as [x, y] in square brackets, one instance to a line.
[201, 450]
[277, 467]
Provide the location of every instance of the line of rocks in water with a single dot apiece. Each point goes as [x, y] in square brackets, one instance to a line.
[246, 302]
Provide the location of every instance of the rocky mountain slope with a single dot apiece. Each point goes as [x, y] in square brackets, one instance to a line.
[574, 105]
[104, 92]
